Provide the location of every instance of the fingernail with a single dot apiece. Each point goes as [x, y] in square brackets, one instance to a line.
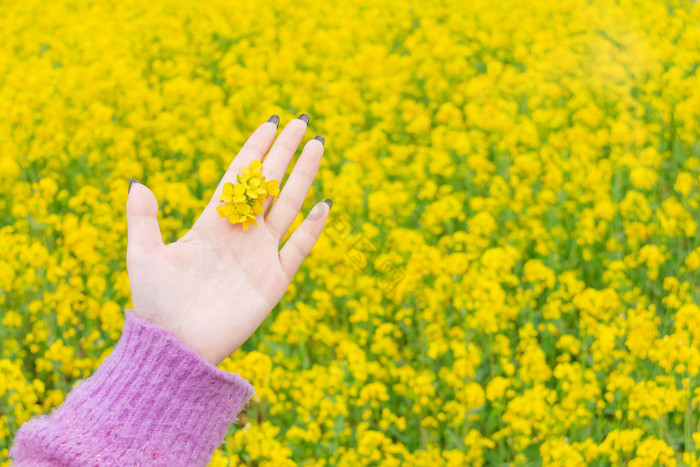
[131, 182]
[274, 119]
[329, 203]
[321, 139]
[304, 118]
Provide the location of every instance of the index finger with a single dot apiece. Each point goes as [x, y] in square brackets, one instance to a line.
[255, 148]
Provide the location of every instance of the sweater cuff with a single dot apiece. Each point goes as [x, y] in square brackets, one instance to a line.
[153, 399]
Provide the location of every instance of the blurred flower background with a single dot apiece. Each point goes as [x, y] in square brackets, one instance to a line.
[509, 273]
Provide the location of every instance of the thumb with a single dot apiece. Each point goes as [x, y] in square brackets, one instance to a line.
[142, 219]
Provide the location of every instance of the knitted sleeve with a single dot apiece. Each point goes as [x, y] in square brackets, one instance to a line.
[153, 401]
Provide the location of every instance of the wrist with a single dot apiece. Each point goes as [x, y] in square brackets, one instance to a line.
[190, 336]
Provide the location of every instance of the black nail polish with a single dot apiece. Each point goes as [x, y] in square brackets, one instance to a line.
[274, 119]
[304, 118]
[131, 182]
[321, 139]
[329, 203]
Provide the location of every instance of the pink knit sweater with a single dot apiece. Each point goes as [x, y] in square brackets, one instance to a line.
[153, 401]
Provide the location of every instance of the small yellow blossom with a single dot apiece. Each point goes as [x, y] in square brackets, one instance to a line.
[684, 183]
[244, 200]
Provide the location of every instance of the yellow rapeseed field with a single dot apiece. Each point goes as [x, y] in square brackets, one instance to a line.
[509, 273]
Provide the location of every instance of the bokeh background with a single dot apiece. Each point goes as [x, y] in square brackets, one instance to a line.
[509, 273]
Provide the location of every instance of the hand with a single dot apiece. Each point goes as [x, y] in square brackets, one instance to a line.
[217, 284]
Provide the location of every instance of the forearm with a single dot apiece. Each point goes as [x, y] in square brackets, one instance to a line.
[153, 400]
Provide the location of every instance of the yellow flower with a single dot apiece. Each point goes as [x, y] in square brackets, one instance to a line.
[643, 178]
[684, 183]
[245, 200]
[233, 193]
[693, 259]
[272, 187]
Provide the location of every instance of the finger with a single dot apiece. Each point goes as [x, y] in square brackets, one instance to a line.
[277, 160]
[287, 205]
[142, 220]
[254, 148]
[304, 238]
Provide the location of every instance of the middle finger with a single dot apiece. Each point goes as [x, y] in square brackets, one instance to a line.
[277, 160]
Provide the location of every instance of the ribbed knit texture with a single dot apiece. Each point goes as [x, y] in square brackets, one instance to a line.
[153, 401]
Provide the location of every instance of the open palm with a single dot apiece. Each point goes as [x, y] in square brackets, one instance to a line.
[217, 284]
